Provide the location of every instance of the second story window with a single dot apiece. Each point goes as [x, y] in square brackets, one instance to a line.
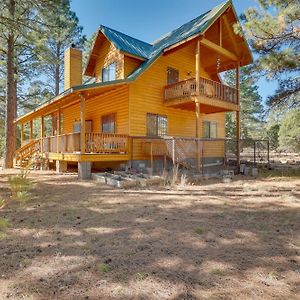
[157, 125]
[172, 75]
[210, 130]
[109, 72]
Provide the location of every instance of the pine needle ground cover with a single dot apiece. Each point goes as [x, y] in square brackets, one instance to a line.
[84, 240]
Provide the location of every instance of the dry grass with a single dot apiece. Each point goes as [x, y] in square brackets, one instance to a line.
[82, 240]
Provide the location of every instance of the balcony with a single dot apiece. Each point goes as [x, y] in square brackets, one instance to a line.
[211, 94]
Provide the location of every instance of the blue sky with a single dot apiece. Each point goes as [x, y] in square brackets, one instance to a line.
[149, 19]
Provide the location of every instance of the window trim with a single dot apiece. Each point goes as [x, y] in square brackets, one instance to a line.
[156, 121]
[210, 135]
[107, 69]
[172, 69]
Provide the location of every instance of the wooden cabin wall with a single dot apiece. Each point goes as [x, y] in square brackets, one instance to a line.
[111, 102]
[147, 94]
[130, 65]
[107, 55]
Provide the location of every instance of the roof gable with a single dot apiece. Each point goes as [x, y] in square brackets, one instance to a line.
[150, 53]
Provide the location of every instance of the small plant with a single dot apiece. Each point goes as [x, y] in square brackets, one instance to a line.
[4, 224]
[2, 203]
[19, 184]
[199, 230]
[141, 276]
[22, 197]
[274, 275]
[217, 272]
[183, 180]
[104, 268]
[174, 177]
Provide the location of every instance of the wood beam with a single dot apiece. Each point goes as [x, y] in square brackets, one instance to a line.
[22, 134]
[238, 126]
[31, 130]
[229, 29]
[82, 124]
[222, 51]
[197, 63]
[221, 33]
[58, 130]
[42, 130]
[182, 42]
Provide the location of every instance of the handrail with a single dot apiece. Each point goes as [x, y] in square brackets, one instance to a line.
[207, 88]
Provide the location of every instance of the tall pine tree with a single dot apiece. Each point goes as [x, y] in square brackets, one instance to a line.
[273, 30]
[251, 106]
[65, 31]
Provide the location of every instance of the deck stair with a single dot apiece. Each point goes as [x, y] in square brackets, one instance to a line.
[27, 153]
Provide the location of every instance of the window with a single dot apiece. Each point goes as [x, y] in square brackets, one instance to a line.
[108, 123]
[109, 73]
[172, 75]
[88, 126]
[157, 125]
[210, 130]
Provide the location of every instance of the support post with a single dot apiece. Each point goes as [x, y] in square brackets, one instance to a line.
[198, 126]
[42, 129]
[238, 126]
[22, 134]
[197, 103]
[58, 130]
[82, 123]
[31, 130]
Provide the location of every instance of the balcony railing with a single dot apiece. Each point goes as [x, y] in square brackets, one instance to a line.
[98, 143]
[207, 88]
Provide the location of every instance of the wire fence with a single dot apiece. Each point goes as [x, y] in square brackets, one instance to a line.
[198, 155]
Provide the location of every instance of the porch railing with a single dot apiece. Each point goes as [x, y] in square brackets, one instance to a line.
[94, 143]
[207, 88]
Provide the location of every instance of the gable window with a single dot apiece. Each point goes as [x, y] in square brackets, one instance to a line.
[157, 125]
[108, 123]
[109, 72]
[210, 130]
[172, 75]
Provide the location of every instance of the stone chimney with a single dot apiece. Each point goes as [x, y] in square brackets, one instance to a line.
[73, 67]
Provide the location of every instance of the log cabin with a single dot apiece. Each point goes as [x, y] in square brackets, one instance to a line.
[140, 95]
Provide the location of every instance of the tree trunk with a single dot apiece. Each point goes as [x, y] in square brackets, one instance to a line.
[57, 72]
[11, 96]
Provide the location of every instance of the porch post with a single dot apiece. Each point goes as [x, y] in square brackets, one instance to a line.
[58, 131]
[22, 134]
[82, 123]
[238, 126]
[42, 130]
[31, 130]
[197, 103]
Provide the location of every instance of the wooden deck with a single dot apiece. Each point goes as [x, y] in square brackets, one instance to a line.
[213, 95]
[67, 147]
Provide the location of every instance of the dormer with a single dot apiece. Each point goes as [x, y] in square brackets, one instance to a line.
[114, 55]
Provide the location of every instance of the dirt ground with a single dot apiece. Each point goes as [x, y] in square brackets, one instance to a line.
[83, 240]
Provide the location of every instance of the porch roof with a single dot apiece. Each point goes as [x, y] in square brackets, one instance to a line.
[69, 97]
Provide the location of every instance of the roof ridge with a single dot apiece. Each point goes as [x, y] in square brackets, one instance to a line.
[125, 34]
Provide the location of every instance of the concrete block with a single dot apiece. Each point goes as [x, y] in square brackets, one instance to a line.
[84, 170]
[61, 166]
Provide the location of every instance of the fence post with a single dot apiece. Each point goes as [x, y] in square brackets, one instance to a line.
[173, 151]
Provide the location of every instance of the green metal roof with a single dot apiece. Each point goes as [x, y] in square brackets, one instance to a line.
[152, 52]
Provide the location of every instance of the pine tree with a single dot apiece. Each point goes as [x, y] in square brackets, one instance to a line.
[251, 106]
[274, 33]
[289, 132]
[19, 20]
[65, 31]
